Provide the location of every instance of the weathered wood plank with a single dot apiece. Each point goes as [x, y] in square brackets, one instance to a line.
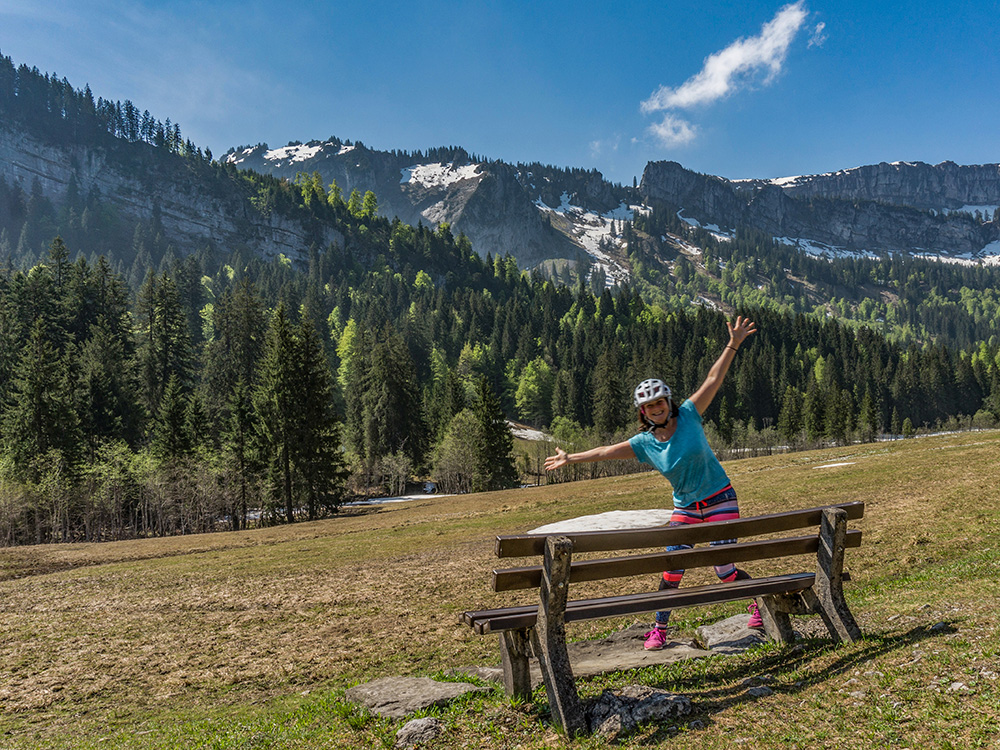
[514, 653]
[777, 623]
[829, 588]
[798, 602]
[521, 545]
[490, 621]
[513, 579]
[548, 638]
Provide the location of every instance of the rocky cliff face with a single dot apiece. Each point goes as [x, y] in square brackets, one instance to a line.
[945, 186]
[883, 208]
[136, 182]
[492, 203]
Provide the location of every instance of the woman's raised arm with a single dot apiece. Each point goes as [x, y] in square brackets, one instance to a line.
[738, 332]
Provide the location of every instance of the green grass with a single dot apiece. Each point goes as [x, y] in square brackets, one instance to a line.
[250, 640]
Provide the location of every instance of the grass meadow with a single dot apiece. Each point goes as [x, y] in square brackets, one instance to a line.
[250, 639]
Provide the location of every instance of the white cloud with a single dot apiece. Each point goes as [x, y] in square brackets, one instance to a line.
[673, 131]
[601, 147]
[818, 37]
[736, 66]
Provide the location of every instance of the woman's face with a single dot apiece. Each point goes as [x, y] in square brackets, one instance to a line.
[658, 411]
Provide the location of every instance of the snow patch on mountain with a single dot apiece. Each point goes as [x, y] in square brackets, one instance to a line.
[988, 256]
[713, 229]
[986, 211]
[438, 175]
[293, 153]
[822, 250]
[595, 234]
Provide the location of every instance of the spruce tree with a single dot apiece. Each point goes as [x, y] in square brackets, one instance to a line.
[276, 401]
[41, 416]
[608, 401]
[171, 438]
[493, 446]
[316, 452]
[390, 399]
[238, 445]
[790, 416]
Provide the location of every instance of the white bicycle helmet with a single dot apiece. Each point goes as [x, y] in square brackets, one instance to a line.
[650, 390]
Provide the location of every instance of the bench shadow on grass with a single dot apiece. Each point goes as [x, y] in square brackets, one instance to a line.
[798, 656]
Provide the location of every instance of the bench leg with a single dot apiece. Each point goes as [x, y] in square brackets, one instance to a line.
[777, 623]
[829, 586]
[514, 658]
[548, 638]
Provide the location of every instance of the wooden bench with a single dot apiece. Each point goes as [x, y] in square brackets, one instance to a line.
[540, 626]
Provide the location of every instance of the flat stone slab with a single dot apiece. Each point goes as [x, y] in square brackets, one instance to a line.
[619, 651]
[730, 636]
[396, 697]
[623, 650]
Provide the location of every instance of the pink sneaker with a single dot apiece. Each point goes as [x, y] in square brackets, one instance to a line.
[755, 620]
[655, 639]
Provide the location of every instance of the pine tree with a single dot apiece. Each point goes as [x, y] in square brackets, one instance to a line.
[493, 449]
[171, 439]
[165, 343]
[608, 402]
[237, 346]
[813, 411]
[316, 453]
[107, 388]
[41, 416]
[790, 417]
[276, 400]
[390, 398]
[868, 426]
[239, 429]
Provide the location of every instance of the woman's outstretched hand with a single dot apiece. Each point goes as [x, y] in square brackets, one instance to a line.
[739, 330]
[554, 462]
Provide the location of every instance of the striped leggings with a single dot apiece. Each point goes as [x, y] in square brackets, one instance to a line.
[721, 506]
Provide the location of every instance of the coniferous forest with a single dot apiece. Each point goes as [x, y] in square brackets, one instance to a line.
[145, 391]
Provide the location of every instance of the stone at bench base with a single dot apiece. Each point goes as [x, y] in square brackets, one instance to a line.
[618, 652]
[730, 636]
[621, 651]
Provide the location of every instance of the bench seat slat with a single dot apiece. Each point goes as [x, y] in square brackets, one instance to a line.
[522, 545]
[515, 618]
[515, 579]
[470, 617]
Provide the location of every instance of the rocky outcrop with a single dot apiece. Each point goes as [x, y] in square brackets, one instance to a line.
[196, 208]
[485, 201]
[933, 187]
[839, 210]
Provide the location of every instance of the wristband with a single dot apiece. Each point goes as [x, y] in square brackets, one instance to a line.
[732, 347]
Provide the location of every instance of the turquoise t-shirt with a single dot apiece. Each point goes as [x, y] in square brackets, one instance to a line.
[685, 459]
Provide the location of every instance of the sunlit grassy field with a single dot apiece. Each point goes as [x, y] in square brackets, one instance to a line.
[250, 639]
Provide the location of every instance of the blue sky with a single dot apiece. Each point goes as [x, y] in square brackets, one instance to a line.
[758, 89]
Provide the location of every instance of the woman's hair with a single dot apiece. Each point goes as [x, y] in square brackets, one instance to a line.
[645, 425]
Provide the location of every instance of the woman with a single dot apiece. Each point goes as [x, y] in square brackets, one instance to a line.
[672, 440]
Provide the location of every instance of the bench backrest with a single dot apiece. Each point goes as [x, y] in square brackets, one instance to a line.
[662, 536]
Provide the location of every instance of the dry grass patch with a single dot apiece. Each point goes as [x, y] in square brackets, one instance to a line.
[248, 639]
